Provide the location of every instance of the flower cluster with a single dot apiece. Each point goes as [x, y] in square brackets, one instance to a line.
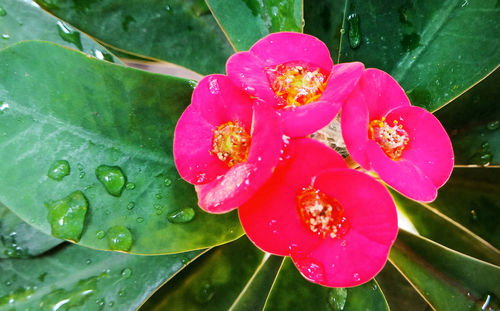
[245, 142]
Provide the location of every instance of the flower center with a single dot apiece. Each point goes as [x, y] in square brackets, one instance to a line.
[297, 84]
[392, 139]
[231, 143]
[322, 214]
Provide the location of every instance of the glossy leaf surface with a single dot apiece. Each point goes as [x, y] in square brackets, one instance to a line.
[177, 31]
[24, 20]
[435, 49]
[213, 282]
[246, 21]
[84, 279]
[18, 239]
[109, 115]
[308, 296]
[447, 279]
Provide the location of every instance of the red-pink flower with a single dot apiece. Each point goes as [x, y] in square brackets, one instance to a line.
[294, 74]
[405, 145]
[337, 224]
[226, 145]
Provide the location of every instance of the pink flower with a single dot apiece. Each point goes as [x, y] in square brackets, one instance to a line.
[337, 224]
[405, 145]
[225, 145]
[294, 74]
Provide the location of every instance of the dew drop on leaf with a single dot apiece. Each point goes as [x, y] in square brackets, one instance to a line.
[100, 234]
[67, 216]
[139, 219]
[205, 292]
[5, 36]
[181, 216]
[130, 205]
[2, 11]
[337, 298]
[112, 178]
[58, 170]
[130, 186]
[119, 238]
[69, 35]
[493, 125]
[167, 182]
[354, 31]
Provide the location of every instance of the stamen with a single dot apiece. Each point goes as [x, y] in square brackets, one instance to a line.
[297, 84]
[321, 214]
[392, 139]
[231, 143]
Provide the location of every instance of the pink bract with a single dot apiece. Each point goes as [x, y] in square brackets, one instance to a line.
[221, 188]
[249, 71]
[426, 159]
[272, 221]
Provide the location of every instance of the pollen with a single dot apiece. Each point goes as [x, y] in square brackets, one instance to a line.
[297, 84]
[321, 214]
[392, 139]
[231, 143]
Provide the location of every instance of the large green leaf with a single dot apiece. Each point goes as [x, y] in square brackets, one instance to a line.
[471, 198]
[24, 20]
[92, 113]
[473, 122]
[447, 279]
[178, 31]
[436, 226]
[80, 278]
[246, 21]
[213, 282]
[292, 292]
[435, 49]
[18, 239]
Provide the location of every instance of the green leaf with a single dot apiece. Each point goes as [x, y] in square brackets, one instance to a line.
[84, 279]
[447, 279]
[438, 227]
[246, 21]
[435, 49]
[292, 292]
[473, 123]
[24, 20]
[213, 282]
[399, 293]
[470, 198]
[18, 239]
[91, 113]
[178, 31]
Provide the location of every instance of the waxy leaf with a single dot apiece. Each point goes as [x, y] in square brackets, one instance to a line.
[245, 22]
[447, 279]
[292, 292]
[18, 239]
[178, 31]
[214, 282]
[79, 278]
[92, 113]
[24, 20]
[435, 49]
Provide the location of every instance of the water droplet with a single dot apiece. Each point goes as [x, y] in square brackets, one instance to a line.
[200, 178]
[100, 234]
[185, 260]
[205, 293]
[337, 298]
[70, 299]
[3, 107]
[356, 277]
[5, 36]
[126, 273]
[139, 219]
[130, 205]
[159, 212]
[102, 55]
[130, 186]
[58, 170]
[157, 206]
[273, 226]
[181, 216]
[81, 175]
[8, 283]
[100, 302]
[213, 86]
[121, 293]
[343, 243]
[2, 11]
[465, 3]
[167, 182]
[354, 31]
[490, 303]
[19, 295]
[168, 8]
[493, 125]
[67, 216]
[274, 11]
[111, 304]
[311, 269]
[158, 196]
[485, 145]
[70, 35]
[88, 261]
[112, 178]
[485, 159]
[119, 238]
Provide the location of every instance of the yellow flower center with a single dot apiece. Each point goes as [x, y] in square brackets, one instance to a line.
[231, 143]
[392, 139]
[297, 84]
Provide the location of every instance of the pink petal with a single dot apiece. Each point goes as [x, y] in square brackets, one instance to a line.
[270, 217]
[242, 180]
[354, 120]
[247, 72]
[430, 147]
[382, 93]
[283, 47]
[192, 151]
[362, 252]
[402, 175]
[307, 119]
[342, 81]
